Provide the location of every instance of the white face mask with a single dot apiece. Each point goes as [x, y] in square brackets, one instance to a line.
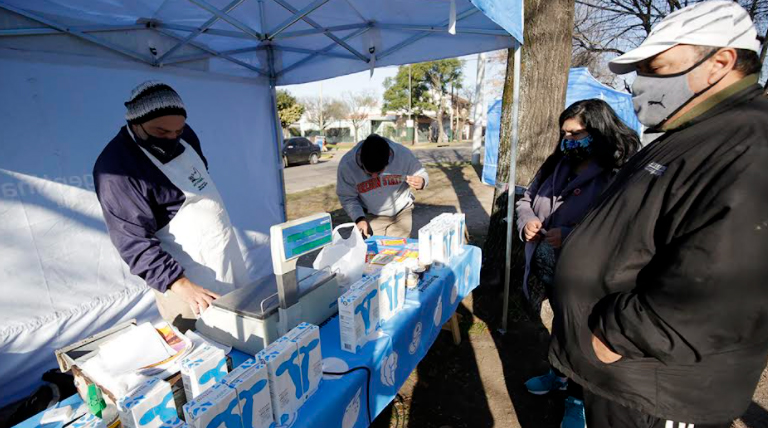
[658, 97]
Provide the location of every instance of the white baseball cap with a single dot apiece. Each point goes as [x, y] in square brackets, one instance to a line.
[720, 23]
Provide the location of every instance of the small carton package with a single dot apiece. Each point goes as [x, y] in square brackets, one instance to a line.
[202, 369]
[391, 290]
[307, 339]
[175, 423]
[425, 245]
[149, 405]
[284, 374]
[88, 421]
[440, 238]
[216, 406]
[358, 316]
[251, 384]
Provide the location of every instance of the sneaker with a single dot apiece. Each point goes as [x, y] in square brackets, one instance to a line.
[574, 414]
[541, 385]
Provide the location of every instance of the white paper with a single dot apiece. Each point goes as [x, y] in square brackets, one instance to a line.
[138, 347]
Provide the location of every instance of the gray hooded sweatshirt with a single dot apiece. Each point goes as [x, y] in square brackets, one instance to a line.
[385, 195]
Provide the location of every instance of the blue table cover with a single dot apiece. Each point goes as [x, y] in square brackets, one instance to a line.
[402, 342]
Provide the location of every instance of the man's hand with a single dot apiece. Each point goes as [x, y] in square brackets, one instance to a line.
[603, 353]
[554, 237]
[531, 230]
[364, 228]
[198, 297]
[416, 182]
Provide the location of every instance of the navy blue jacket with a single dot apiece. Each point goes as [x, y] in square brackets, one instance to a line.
[137, 200]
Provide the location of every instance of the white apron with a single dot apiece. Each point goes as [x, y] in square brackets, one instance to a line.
[200, 236]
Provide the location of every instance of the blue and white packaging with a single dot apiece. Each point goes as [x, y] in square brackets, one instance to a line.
[284, 372]
[88, 421]
[202, 369]
[251, 384]
[217, 406]
[149, 405]
[358, 316]
[391, 285]
[425, 245]
[307, 339]
[175, 423]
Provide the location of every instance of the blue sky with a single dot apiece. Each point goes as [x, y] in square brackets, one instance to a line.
[336, 87]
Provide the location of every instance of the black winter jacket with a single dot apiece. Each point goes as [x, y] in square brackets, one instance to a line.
[669, 270]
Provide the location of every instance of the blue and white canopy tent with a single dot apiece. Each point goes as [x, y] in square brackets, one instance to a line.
[66, 66]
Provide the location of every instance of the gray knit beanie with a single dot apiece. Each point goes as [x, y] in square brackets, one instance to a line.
[153, 99]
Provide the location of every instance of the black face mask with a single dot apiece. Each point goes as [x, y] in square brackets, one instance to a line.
[164, 149]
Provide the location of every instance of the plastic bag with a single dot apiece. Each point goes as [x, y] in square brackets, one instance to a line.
[345, 257]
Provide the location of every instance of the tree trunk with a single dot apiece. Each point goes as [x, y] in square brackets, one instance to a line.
[440, 126]
[762, 55]
[546, 57]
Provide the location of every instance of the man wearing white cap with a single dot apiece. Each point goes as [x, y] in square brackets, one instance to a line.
[660, 293]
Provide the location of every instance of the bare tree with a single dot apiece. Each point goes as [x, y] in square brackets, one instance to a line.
[359, 105]
[606, 28]
[323, 113]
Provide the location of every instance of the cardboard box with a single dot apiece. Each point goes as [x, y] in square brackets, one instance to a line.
[284, 372]
[216, 406]
[358, 316]
[88, 421]
[307, 339]
[251, 384]
[391, 285]
[149, 405]
[202, 369]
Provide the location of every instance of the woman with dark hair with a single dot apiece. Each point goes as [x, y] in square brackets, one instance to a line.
[594, 143]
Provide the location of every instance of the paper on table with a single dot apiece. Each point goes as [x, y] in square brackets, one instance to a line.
[138, 347]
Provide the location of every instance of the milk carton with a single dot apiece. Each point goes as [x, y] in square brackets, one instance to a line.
[201, 369]
[365, 282]
[175, 423]
[284, 373]
[441, 245]
[148, 405]
[307, 339]
[425, 245]
[88, 421]
[251, 384]
[217, 406]
[391, 290]
[358, 316]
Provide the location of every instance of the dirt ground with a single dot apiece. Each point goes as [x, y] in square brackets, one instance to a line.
[478, 383]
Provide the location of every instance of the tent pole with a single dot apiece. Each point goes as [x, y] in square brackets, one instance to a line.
[277, 128]
[511, 184]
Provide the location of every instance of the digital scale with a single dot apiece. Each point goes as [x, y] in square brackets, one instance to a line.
[252, 317]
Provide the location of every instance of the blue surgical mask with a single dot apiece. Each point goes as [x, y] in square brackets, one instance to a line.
[576, 150]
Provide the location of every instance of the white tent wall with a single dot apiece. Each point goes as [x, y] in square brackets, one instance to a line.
[61, 277]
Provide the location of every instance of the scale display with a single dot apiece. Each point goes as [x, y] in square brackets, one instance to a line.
[306, 237]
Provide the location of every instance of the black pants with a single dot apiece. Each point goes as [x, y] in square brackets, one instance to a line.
[574, 390]
[604, 413]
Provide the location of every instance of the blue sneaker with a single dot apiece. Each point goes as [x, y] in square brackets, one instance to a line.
[541, 385]
[574, 414]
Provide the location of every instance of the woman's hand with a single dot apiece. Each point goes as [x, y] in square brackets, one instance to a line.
[554, 237]
[416, 182]
[531, 230]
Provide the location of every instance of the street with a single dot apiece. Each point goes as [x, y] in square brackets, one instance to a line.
[304, 177]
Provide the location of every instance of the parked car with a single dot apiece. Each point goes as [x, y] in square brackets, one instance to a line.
[300, 150]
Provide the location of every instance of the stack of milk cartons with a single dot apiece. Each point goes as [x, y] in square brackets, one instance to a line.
[359, 313]
[294, 367]
[202, 369]
[442, 238]
[391, 290]
[251, 384]
[149, 405]
[216, 406]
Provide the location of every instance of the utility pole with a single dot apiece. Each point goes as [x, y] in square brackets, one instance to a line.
[322, 122]
[479, 107]
[410, 124]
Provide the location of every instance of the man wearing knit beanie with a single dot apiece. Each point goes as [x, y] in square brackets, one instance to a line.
[162, 209]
